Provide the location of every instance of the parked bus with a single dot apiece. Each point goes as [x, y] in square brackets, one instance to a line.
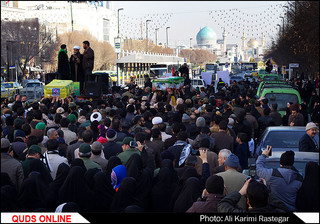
[160, 70]
[249, 65]
[211, 67]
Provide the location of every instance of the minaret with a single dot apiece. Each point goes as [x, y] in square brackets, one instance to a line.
[243, 38]
[224, 35]
[262, 40]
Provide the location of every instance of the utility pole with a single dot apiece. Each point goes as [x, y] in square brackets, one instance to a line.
[118, 75]
[157, 36]
[71, 15]
[148, 20]
[167, 35]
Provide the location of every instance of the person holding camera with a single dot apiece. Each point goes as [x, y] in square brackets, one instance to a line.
[284, 181]
[129, 148]
[258, 199]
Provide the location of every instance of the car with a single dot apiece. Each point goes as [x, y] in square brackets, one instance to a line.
[13, 86]
[4, 92]
[236, 78]
[270, 77]
[33, 89]
[281, 96]
[282, 138]
[300, 160]
[198, 83]
[272, 84]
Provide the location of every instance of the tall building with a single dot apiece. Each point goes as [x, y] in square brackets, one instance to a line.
[96, 17]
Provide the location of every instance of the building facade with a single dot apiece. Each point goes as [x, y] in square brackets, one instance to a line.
[98, 18]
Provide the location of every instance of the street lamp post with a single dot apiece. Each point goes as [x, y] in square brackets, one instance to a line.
[147, 28]
[190, 41]
[282, 24]
[157, 36]
[118, 22]
[148, 20]
[167, 35]
[279, 29]
[118, 75]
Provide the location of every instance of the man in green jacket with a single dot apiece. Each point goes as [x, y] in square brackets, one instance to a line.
[85, 154]
[127, 150]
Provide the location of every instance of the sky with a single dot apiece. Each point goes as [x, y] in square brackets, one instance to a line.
[186, 18]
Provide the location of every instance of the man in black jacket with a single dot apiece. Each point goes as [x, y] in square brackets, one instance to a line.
[259, 200]
[308, 143]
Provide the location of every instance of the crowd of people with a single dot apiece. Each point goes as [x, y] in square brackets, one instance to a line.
[143, 150]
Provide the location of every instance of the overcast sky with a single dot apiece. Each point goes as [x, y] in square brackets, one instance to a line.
[185, 18]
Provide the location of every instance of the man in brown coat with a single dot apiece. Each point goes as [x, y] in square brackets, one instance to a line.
[223, 140]
[88, 59]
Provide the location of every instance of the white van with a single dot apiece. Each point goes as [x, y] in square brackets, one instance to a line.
[197, 83]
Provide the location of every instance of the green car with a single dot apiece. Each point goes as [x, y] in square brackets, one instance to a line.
[281, 96]
[270, 77]
[271, 84]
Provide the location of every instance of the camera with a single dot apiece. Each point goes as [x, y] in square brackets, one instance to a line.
[133, 144]
[195, 152]
[253, 170]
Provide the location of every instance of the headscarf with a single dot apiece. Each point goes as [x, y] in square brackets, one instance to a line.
[9, 199]
[188, 173]
[125, 196]
[78, 162]
[67, 207]
[117, 175]
[309, 191]
[62, 174]
[88, 176]
[163, 187]
[103, 192]
[38, 166]
[76, 189]
[142, 175]
[191, 190]
[35, 193]
[112, 162]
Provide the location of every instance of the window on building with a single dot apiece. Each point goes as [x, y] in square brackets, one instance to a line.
[106, 29]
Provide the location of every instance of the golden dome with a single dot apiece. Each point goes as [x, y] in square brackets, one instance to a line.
[253, 43]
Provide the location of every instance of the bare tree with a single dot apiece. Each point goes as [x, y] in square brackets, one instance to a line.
[198, 56]
[28, 40]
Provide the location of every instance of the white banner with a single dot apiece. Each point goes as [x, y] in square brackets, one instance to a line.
[42, 217]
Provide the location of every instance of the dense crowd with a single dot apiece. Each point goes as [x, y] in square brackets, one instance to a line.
[143, 150]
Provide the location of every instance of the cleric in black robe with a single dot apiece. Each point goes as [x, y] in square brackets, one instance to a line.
[77, 74]
[63, 63]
